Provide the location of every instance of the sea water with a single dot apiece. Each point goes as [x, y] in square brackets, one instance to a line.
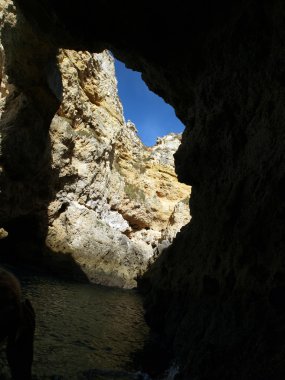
[83, 331]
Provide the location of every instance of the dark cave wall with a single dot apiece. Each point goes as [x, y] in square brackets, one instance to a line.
[218, 294]
[31, 87]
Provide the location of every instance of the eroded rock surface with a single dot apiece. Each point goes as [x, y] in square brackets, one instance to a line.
[217, 294]
[114, 197]
[29, 97]
[100, 198]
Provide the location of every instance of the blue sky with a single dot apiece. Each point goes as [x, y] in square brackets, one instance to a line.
[151, 115]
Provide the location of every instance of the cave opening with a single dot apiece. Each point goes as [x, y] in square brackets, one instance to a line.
[91, 161]
[83, 184]
[97, 179]
[109, 185]
[218, 294]
[98, 167]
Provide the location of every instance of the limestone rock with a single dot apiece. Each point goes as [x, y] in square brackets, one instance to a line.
[126, 192]
[105, 254]
[3, 233]
[165, 148]
[85, 165]
[29, 98]
[151, 186]
[178, 219]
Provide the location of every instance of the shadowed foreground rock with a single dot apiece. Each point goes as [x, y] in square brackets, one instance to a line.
[217, 295]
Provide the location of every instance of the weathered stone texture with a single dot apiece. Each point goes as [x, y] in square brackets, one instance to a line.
[86, 178]
[217, 294]
[114, 197]
[30, 92]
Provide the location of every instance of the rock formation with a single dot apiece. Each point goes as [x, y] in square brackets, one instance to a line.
[114, 196]
[217, 294]
[3, 233]
[111, 197]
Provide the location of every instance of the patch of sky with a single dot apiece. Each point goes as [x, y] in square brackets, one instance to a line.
[151, 115]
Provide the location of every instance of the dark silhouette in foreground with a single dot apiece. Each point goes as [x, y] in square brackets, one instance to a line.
[17, 326]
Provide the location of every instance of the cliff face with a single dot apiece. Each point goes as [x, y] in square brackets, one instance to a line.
[108, 212]
[217, 294]
[111, 198]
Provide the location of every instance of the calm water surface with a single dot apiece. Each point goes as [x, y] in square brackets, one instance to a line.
[84, 331]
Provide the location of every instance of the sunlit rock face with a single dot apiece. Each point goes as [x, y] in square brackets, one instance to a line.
[217, 294]
[110, 199]
[114, 197]
[151, 191]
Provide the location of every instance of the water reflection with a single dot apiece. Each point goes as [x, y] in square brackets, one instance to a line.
[82, 327]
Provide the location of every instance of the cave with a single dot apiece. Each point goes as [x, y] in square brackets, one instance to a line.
[217, 295]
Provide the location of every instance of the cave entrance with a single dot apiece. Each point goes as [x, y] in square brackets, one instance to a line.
[106, 200]
[98, 196]
[115, 204]
[116, 196]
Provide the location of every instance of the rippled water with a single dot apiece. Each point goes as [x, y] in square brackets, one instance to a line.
[84, 331]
